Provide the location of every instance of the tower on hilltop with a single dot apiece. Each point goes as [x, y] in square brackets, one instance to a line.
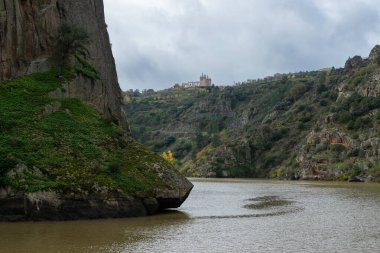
[204, 81]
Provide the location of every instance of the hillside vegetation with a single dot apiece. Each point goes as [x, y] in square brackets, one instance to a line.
[65, 145]
[311, 125]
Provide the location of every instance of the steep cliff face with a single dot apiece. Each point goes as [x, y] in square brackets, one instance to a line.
[28, 31]
[59, 157]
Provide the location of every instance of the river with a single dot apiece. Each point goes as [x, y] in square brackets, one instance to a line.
[224, 216]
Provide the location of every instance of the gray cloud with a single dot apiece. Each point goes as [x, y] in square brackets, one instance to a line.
[157, 43]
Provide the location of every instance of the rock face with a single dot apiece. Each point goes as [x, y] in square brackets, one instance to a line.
[374, 56]
[353, 64]
[50, 205]
[28, 31]
[370, 81]
[330, 138]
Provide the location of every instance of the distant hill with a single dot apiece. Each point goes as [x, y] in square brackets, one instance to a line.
[311, 125]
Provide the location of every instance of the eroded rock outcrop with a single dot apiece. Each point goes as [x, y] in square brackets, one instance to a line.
[362, 76]
[374, 56]
[353, 64]
[371, 88]
[103, 202]
[330, 138]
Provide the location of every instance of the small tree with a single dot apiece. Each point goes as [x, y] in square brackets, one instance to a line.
[298, 90]
[73, 41]
[168, 156]
[164, 155]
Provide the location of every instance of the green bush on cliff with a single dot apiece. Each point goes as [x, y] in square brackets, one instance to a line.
[360, 77]
[298, 90]
[72, 41]
[64, 144]
[5, 165]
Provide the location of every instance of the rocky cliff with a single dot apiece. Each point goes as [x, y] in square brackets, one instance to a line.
[28, 32]
[59, 157]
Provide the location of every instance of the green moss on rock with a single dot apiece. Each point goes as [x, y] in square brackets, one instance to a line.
[63, 144]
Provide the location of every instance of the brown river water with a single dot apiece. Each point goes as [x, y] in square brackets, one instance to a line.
[224, 216]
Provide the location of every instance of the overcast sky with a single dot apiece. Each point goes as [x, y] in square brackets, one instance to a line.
[157, 43]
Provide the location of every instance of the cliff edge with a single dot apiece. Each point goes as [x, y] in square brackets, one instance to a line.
[28, 36]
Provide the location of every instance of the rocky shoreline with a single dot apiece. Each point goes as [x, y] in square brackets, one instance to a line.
[49, 205]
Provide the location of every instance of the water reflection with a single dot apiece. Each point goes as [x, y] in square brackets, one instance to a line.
[225, 216]
[83, 236]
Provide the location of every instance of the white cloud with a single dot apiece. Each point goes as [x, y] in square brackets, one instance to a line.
[159, 42]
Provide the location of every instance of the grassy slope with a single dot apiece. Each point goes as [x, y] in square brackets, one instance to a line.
[71, 149]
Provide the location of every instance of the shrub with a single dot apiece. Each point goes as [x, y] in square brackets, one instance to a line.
[321, 88]
[360, 77]
[85, 68]
[306, 117]
[353, 153]
[169, 140]
[301, 108]
[114, 168]
[298, 90]
[323, 102]
[201, 140]
[278, 134]
[168, 156]
[182, 149]
[360, 123]
[278, 172]
[351, 125]
[375, 171]
[70, 41]
[343, 117]
[158, 145]
[321, 147]
[6, 164]
[216, 140]
[301, 126]
[337, 148]
[269, 160]
[73, 41]
[284, 104]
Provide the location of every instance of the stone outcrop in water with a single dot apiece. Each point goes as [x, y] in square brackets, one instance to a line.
[50, 205]
[28, 39]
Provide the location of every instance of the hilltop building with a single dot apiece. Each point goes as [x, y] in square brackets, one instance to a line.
[204, 81]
